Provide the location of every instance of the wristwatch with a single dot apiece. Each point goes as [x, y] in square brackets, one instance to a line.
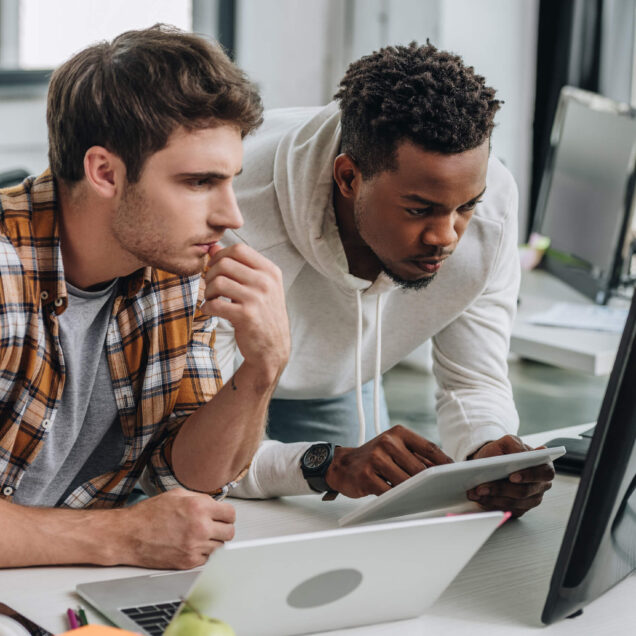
[314, 464]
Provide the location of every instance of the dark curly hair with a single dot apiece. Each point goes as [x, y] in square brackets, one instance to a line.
[415, 93]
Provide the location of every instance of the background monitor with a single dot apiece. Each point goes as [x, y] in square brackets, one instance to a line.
[599, 545]
[587, 192]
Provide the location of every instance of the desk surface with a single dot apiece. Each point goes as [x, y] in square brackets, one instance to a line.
[500, 591]
[578, 349]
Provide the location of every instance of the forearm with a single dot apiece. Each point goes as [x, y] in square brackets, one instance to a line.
[48, 536]
[474, 402]
[219, 440]
[178, 529]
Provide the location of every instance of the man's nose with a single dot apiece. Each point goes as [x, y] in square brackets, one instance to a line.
[440, 231]
[225, 212]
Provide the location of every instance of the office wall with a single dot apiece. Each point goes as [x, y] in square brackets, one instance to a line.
[284, 45]
[618, 51]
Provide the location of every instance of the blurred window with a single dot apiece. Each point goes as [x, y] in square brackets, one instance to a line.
[38, 34]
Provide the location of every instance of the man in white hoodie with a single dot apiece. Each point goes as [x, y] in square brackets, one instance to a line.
[362, 204]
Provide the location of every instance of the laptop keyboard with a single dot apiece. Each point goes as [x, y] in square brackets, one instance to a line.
[153, 618]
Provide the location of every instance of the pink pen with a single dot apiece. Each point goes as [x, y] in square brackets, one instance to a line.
[506, 516]
[72, 619]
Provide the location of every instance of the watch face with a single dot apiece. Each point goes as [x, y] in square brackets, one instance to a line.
[316, 456]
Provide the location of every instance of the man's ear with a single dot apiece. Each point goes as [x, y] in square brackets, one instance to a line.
[104, 171]
[347, 175]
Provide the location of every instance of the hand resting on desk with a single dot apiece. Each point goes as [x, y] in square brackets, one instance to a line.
[177, 529]
[522, 490]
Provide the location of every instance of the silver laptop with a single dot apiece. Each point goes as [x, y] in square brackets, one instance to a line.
[306, 583]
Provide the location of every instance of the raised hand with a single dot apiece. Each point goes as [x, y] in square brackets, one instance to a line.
[246, 288]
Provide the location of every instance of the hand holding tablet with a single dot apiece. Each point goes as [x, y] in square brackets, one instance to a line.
[446, 485]
[518, 492]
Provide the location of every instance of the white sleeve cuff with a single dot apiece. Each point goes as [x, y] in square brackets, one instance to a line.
[274, 472]
[480, 436]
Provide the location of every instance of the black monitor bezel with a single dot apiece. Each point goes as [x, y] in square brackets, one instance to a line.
[601, 480]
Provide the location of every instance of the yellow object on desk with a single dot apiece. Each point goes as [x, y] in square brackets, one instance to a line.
[98, 630]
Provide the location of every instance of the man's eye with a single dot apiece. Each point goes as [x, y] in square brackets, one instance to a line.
[418, 211]
[469, 206]
[203, 182]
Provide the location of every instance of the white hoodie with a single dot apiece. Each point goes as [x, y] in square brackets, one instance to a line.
[285, 195]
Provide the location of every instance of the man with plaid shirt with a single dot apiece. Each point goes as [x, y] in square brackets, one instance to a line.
[107, 364]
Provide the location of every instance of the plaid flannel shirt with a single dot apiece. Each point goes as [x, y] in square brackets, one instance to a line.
[159, 346]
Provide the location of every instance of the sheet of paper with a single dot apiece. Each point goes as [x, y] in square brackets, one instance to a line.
[582, 316]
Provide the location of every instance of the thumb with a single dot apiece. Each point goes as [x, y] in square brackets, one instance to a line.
[214, 249]
[212, 252]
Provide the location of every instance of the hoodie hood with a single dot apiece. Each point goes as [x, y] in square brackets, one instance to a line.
[303, 178]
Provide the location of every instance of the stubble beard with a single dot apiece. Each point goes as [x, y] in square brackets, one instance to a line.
[135, 232]
[404, 283]
[408, 284]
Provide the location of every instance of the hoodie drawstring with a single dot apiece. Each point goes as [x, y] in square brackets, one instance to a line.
[378, 364]
[378, 360]
[361, 420]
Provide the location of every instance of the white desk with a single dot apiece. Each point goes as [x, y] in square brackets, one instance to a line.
[579, 349]
[500, 592]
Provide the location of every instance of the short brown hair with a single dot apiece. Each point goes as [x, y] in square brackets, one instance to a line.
[130, 94]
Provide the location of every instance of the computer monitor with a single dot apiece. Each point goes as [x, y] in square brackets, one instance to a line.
[599, 545]
[586, 195]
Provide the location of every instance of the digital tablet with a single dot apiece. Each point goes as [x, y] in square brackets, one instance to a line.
[445, 485]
